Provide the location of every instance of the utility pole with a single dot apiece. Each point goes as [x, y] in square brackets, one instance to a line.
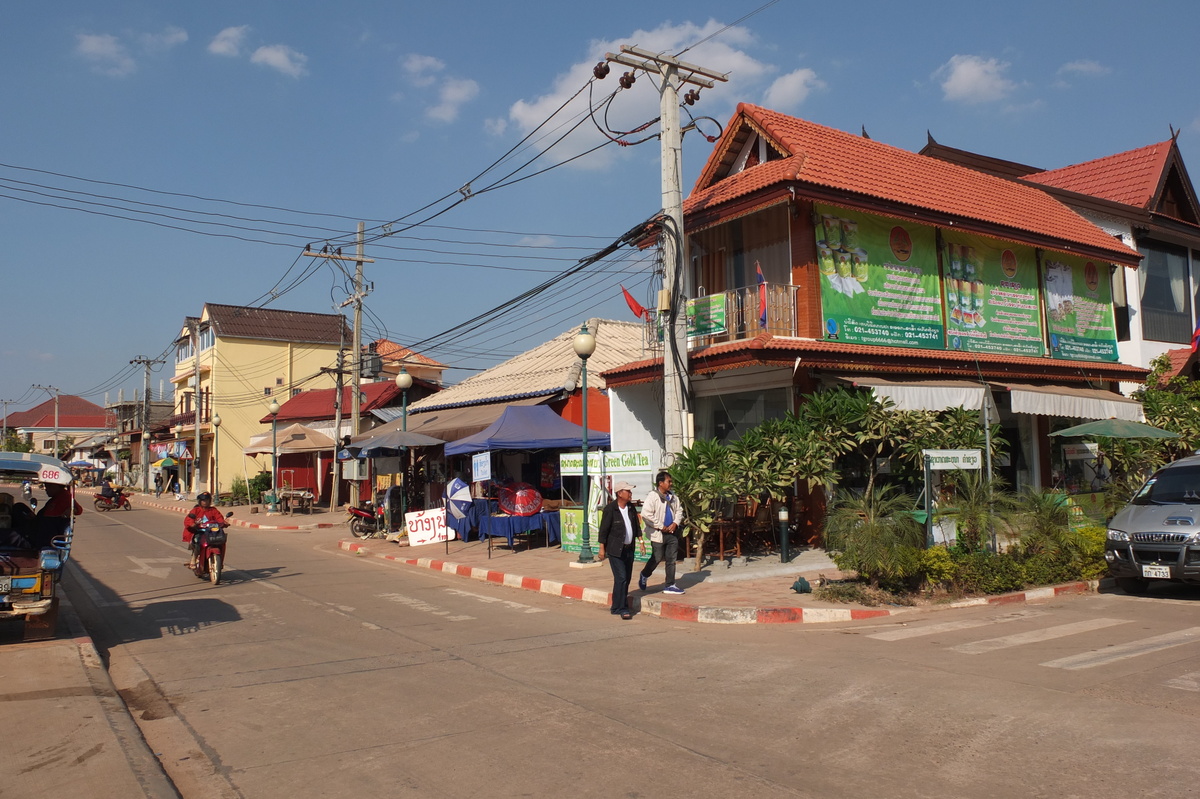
[147, 363]
[677, 417]
[361, 290]
[54, 392]
[196, 403]
[4, 429]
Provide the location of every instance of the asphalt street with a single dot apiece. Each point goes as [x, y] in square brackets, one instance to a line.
[311, 673]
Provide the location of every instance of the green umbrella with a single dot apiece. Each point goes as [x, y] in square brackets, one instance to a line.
[1116, 428]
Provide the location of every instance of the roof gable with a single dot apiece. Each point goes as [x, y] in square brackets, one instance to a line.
[389, 350]
[272, 324]
[831, 159]
[318, 403]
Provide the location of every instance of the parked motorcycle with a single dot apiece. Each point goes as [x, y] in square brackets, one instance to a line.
[367, 521]
[103, 503]
[208, 549]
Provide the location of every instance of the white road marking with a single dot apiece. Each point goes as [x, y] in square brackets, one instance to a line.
[1187, 682]
[1132, 649]
[508, 603]
[159, 572]
[1034, 636]
[950, 626]
[425, 607]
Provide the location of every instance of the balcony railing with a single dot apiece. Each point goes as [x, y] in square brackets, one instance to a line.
[734, 315]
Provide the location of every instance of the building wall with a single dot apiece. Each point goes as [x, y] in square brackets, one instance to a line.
[636, 419]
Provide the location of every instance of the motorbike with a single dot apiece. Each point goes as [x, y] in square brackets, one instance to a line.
[208, 548]
[103, 503]
[367, 521]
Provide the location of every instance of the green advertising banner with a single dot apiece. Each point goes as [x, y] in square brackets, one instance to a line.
[571, 526]
[1079, 310]
[879, 280]
[992, 299]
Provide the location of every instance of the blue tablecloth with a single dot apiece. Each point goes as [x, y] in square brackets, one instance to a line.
[475, 514]
[509, 526]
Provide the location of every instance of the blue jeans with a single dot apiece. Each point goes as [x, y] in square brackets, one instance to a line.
[622, 569]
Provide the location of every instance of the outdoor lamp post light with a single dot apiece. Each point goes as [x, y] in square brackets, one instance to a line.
[404, 382]
[273, 409]
[785, 554]
[216, 424]
[585, 345]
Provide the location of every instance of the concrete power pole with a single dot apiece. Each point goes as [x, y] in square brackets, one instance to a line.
[147, 363]
[54, 392]
[677, 416]
[360, 292]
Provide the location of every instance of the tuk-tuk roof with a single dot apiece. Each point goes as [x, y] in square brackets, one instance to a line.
[28, 464]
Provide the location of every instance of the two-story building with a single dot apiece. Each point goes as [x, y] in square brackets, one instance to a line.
[821, 258]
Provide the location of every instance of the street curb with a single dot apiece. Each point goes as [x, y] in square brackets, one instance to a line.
[673, 610]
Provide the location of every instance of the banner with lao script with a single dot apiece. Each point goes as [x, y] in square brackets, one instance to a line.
[427, 527]
[879, 280]
[1079, 309]
[993, 300]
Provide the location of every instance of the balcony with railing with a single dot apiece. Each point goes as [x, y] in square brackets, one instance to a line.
[734, 315]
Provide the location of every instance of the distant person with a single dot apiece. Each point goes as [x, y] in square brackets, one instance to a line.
[662, 514]
[175, 489]
[106, 488]
[619, 530]
[158, 484]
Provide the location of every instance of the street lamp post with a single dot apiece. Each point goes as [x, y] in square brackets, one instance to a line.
[216, 424]
[585, 345]
[404, 382]
[273, 409]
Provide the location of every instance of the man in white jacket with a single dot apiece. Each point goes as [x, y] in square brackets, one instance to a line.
[662, 514]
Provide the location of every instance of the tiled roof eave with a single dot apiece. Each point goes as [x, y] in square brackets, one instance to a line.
[483, 401]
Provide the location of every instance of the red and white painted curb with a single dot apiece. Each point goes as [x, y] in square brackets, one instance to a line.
[682, 611]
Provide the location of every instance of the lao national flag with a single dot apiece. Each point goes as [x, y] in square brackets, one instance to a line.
[633, 304]
[762, 295]
[1196, 338]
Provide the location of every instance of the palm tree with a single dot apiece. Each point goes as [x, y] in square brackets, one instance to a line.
[979, 504]
[875, 534]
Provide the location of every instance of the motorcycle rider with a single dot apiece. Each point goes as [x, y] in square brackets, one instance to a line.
[107, 491]
[200, 516]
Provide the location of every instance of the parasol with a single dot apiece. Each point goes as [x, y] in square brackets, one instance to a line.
[458, 498]
[388, 443]
[520, 499]
[1116, 428]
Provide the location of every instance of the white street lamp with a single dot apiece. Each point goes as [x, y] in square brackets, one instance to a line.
[216, 425]
[584, 345]
[404, 382]
[273, 409]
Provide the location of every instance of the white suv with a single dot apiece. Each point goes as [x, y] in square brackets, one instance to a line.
[1157, 535]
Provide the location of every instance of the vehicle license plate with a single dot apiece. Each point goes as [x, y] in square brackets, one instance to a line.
[5, 585]
[1162, 572]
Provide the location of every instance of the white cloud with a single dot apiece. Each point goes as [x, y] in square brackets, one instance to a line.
[281, 58]
[1085, 67]
[537, 241]
[421, 68]
[495, 126]
[971, 79]
[105, 53]
[729, 53]
[229, 41]
[452, 94]
[164, 40]
[788, 92]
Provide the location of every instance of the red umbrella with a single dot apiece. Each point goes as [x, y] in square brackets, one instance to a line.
[520, 499]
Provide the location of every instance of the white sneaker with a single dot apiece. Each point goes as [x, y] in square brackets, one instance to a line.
[673, 589]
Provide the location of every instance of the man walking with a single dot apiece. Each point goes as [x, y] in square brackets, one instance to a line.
[662, 514]
[619, 529]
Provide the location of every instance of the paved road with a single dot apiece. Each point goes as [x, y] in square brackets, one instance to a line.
[313, 673]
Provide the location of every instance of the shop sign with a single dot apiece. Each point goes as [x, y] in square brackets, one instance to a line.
[600, 462]
[481, 466]
[427, 527]
[993, 301]
[1086, 451]
[1079, 309]
[879, 280]
[950, 459]
[706, 315]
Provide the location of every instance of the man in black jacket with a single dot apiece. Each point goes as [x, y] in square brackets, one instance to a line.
[619, 531]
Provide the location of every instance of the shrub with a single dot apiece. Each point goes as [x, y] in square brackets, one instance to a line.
[859, 593]
[875, 535]
[936, 566]
[984, 572]
[257, 485]
[238, 490]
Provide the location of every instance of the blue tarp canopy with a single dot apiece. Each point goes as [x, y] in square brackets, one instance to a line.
[527, 427]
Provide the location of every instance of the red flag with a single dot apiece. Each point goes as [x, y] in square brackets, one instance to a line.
[1196, 338]
[762, 295]
[634, 305]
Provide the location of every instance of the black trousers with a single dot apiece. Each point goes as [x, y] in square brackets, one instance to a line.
[622, 569]
[666, 552]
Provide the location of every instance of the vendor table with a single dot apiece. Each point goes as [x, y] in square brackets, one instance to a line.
[510, 526]
[296, 499]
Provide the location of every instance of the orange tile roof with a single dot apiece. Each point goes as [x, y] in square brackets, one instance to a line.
[825, 157]
[391, 351]
[1130, 178]
[1180, 360]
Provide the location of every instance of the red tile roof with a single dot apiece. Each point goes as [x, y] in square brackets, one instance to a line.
[824, 157]
[271, 324]
[391, 351]
[318, 404]
[68, 405]
[1180, 360]
[1130, 178]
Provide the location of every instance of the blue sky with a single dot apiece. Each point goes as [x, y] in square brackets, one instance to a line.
[213, 140]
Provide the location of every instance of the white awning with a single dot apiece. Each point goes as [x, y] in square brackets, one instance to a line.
[1074, 403]
[927, 395]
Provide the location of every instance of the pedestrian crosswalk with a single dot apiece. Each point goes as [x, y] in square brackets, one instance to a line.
[1113, 650]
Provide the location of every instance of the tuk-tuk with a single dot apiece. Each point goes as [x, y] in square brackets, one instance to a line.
[33, 546]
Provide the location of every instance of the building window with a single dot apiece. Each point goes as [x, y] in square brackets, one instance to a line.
[267, 391]
[183, 351]
[1166, 293]
[727, 417]
[207, 339]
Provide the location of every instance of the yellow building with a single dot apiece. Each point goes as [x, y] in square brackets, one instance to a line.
[230, 363]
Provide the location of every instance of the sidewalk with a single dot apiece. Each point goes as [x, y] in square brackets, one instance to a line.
[757, 591]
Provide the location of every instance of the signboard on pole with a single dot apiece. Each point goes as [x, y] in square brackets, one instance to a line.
[427, 527]
[950, 459]
[481, 466]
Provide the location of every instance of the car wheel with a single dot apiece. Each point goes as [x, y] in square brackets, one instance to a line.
[1134, 586]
